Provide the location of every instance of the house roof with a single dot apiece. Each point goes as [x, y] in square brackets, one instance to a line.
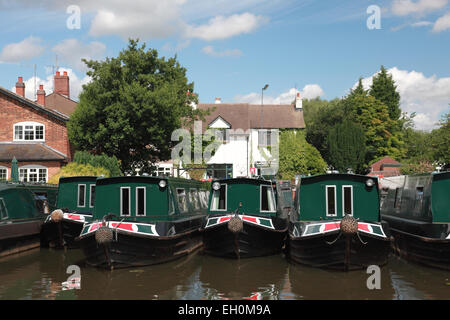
[29, 152]
[251, 116]
[59, 103]
[53, 113]
[384, 162]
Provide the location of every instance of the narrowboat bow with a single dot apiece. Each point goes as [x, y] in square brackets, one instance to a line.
[74, 208]
[244, 219]
[335, 223]
[143, 220]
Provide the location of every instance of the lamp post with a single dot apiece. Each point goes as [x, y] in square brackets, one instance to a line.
[262, 103]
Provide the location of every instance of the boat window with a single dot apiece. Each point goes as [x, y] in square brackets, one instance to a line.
[193, 198]
[3, 210]
[170, 197]
[42, 202]
[125, 201]
[92, 196]
[331, 200]
[203, 198]
[140, 201]
[182, 202]
[419, 195]
[219, 199]
[267, 199]
[398, 198]
[347, 200]
[81, 195]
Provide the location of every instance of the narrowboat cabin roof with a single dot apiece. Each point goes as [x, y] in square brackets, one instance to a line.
[331, 196]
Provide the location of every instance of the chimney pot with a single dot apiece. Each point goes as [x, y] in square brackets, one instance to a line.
[20, 87]
[41, 95]
[65, 73]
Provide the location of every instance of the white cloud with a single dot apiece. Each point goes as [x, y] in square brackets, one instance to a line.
[310, 91]
[75, 84]
[407, 7]
[70, 52]
[221, 27]
[428, 97]
[443, 23]
[24, 50]
[209, 50]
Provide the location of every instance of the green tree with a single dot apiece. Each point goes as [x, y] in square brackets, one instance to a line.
[296, 156]
[99, 161]
[383, 88]
[347, 149]
[440, 140]
[374, 118]
[131, 107]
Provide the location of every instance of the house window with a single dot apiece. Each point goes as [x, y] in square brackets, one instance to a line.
[330, 195]
[347, 200]
[28, 131]
[264, 138]
[3, 173]
[221, 135]
[140, 201]
[3, 210]
[92, 196]
[182, 202]
[125, 201]
[219, 199]
[81, 195]
[33, 174]
[267, 199]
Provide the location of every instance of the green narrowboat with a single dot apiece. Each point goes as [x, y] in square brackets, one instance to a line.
[417, 208]
[75, 205]
[143, 220]
[245, 218]
[335, 223]
[23, 208]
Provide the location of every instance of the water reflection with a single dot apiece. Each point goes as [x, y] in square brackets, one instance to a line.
[43, 274]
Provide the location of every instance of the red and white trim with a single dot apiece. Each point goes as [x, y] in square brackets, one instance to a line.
[262, 222]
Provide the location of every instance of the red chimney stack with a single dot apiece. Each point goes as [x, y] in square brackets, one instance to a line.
[20, 87]
[41, 95]
[61, 84]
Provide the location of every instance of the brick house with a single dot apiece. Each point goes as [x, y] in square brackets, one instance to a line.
[385, 167]
[35, 132]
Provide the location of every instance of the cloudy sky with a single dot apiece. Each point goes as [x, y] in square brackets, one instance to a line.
[231, 49]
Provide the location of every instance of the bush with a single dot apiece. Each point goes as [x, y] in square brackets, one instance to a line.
[99, 161]
[75, 169]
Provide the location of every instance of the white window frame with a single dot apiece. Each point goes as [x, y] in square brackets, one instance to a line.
[34, 166]
[129, 202]
[28, 123]
[226, 197]
[343, 199]
[145, 201]
[326, 201]
[91, 203]
[273, 198]
[5, 168]
[78, 196]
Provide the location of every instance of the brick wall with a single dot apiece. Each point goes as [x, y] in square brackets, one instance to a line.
[13, 111]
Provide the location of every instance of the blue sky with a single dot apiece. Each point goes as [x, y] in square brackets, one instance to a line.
[231, 49]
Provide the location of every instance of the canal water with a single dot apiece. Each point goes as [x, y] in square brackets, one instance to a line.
[44, 273]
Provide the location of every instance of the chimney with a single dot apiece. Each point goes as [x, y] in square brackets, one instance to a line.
[20, 87]
[298, 102]
[41, 95]
[218, 100]
[61, 84]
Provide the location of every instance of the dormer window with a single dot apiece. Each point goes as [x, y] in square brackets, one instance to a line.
[28, 131]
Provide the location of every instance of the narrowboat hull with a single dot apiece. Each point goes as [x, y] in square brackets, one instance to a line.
[424, 243]
[19, 236]
[138, 244]
[60, 234]
[328, 248]
[258, 237]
